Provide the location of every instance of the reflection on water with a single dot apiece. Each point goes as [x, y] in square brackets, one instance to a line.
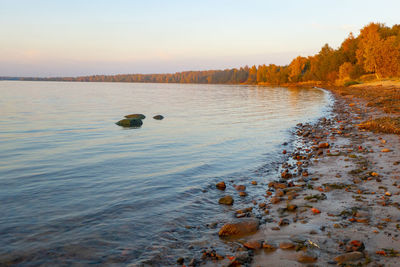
[77, 189]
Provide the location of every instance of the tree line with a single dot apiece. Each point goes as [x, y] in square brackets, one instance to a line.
[375, 51]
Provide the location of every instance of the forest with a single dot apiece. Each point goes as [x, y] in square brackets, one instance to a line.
[375, 52]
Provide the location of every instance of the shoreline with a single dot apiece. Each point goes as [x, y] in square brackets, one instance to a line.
[337, 200]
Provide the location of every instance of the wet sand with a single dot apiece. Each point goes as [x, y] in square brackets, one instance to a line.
[336, 202]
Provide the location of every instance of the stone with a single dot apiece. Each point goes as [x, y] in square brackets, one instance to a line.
[180, 260]
[286, 174]
[158, 117]
[277, 185]
[275, 200]
[306, 258]
[284, 222]
[135, 116]
[242, 194]
[279, 193]
[253, 245]
[323, 145]
[242, 257]
[226, 200]
[221, 185]
[241, 228]
[346, 257]
[269, 247]
[130, 123]
[249, 209]
[287, 245]
[291, 207]
[240, 187]
[262, 205]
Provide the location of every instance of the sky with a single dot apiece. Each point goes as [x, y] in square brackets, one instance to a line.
[44, 38]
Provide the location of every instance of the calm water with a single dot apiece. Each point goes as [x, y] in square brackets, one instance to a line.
[77, 189]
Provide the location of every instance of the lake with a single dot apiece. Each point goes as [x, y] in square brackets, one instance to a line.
[77, 189]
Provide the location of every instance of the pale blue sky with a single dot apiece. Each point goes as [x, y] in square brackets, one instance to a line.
[71, 37]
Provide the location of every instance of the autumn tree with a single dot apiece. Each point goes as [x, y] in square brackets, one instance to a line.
[345, 71]
[252, 78]
[388, 57]
[369, 45]
[297, 68]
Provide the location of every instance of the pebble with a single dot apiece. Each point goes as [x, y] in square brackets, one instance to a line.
[306, 258]
[226, 200]
[242, 257]
[269, 247]
[240, 187]
[323, 145]
[291, 207]
[279, 193]
[284, 222]
[352, 256]
[275, 200]
[180, 261]
[287, 245]
[244, 227]
[221, 185]
[253, 245]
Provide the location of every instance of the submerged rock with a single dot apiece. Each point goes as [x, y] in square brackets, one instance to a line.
[130, 123]
[307, 257]
[240, 187]
[135, 116]
[158, 117]
[352, 256]
[226, 200]
[253, 245]
[221, 185]
[287, 245]
[244, 227]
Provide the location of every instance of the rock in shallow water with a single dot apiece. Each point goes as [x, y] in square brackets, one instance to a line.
[158, 117]
[226, 200]
[352, 256]
[135, 116]
[130, 123]
[307, 257]
[221, 185]
[243, 227]
[253, 245]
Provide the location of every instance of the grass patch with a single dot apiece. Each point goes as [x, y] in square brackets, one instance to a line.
[349, 83]
[317, 197]
[390, 125]
[336, 186]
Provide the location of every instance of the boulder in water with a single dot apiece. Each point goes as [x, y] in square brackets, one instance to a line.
[158, 117]
[135, 116]
[130, 123]
[241, 228]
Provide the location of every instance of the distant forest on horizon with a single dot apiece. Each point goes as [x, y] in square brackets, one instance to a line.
[375, 52]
